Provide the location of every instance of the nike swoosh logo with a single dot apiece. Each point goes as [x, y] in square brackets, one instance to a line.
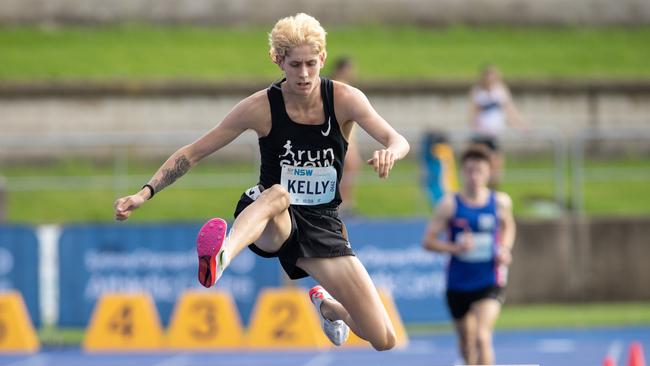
[329, 127]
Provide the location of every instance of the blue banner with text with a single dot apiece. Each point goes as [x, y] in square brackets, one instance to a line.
[156, 258]
[19, 271]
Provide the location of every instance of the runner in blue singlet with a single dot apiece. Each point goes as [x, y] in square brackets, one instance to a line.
[480, 231]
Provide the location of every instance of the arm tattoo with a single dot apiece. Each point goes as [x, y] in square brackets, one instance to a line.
[170, 175]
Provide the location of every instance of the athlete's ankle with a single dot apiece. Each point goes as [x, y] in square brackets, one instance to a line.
[224, 256]
[327, 308]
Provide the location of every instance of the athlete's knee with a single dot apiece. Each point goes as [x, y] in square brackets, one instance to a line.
[465, 343]
[385, 343]
[464, 348]
[277, 196]
[484, 338]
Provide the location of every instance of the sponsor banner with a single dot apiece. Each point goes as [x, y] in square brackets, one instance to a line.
[159, 259]
[19, 266]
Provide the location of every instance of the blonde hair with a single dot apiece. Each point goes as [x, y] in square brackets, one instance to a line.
[295, 31]
[489, 68]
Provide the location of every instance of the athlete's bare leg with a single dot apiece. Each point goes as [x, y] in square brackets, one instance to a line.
[498, 162]
[265, 222]
[466, 328]
[487, 311]
[357, 301]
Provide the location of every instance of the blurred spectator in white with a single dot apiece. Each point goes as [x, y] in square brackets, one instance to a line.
[492, 111]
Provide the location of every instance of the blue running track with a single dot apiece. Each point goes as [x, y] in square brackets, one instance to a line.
[558, 347]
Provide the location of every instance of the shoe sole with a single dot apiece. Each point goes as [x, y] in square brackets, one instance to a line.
[208, 244]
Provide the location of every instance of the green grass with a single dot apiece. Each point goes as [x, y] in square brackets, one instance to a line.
[582, 315]
[60, 337]
[399, 196]
[139, 52]
[559, 316]
[605, 198]
[512, 317]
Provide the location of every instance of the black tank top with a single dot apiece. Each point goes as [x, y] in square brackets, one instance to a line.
[300, 145]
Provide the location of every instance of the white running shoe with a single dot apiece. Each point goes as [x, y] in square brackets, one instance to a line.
[337, 331]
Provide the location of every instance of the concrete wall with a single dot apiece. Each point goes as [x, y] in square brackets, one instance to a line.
[619, 268]
[572, 260]
[237, 12]
[43, 110]
[542, 262]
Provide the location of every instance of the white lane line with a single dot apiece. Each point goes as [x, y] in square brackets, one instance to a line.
[322, 359]
[38, 360]
[615, 350]
[179, 360]
[419, 347]
[556, 345]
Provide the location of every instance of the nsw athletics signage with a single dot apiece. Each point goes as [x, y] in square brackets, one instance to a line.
[19, 263]
[159, 259]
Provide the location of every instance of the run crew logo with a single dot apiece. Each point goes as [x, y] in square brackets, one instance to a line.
[306, 158]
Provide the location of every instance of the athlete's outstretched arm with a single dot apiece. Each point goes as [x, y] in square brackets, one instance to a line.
[242, 117]
[514, 117]
[437, 224]
[355, 106]
[507, 227]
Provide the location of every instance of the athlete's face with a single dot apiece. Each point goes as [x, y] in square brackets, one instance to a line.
[476, 173]
[302, 69]
[490, 77]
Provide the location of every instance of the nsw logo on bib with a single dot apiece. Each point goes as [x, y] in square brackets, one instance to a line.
[309, 185]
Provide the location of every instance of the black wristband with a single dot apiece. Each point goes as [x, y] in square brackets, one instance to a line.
[151, 190]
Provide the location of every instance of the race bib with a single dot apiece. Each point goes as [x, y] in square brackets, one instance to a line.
[309, 185]
[481, 252]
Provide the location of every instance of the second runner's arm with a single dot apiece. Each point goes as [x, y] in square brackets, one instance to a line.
[508, 227]
[437, 224]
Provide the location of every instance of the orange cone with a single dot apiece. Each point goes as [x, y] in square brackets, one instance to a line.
[635, 355]
[609, 361]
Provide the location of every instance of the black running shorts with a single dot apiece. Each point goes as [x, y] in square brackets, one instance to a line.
[460, 302]
[489, 142]
[315, 233]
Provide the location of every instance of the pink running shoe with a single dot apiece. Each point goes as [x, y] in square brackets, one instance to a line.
[210, 248]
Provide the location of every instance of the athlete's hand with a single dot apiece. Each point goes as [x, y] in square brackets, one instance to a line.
[382, 161]
[504, 255]
[466, 241]
[126, 205]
